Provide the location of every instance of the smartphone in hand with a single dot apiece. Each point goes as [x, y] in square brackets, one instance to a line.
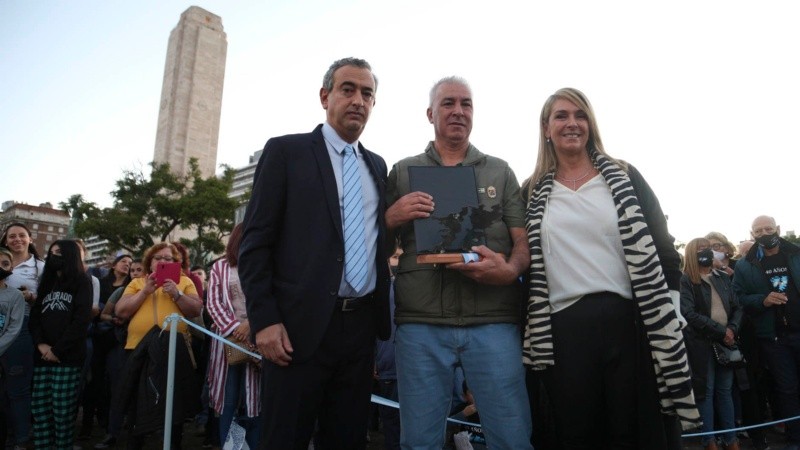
[168, 271]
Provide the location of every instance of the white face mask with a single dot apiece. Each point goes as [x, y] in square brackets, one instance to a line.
[719, 256]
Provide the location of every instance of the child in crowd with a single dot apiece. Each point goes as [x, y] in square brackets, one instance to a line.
[12, 315]
[12, 306]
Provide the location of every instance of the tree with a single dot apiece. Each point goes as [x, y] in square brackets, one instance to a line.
[147, 210]
[202, 209]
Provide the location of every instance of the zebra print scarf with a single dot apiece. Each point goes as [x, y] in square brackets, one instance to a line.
[649, 290]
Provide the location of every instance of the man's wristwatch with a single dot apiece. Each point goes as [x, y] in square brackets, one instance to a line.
[180, 294]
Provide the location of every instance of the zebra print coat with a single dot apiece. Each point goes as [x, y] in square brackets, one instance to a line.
[642, 250]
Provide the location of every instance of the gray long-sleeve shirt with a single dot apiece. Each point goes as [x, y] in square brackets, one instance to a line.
[12, 312]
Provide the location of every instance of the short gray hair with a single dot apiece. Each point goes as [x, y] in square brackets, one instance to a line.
[452, 79]
[327, 80]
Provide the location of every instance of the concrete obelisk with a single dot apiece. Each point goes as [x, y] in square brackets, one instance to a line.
[191, 96]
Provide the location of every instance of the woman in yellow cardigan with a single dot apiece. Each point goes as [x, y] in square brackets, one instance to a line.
[146, 303]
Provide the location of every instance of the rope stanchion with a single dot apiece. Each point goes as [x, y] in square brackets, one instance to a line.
[393, 404]
[749, 427]
[172, 322]
[378, 400]
[173, 319]
[217, 337]
[177, 318]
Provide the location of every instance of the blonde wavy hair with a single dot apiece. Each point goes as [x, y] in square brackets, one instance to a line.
[546, 160]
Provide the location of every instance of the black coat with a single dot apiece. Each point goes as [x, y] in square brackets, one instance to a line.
[702, 330]
[142, 392]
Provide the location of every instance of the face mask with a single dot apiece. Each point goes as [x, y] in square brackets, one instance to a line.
[705, 257]
[4, 274]
[768, 241]
[393, 270]
[55, 261]
[719, 256]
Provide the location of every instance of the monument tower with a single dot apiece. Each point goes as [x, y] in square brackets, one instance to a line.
[191, 96]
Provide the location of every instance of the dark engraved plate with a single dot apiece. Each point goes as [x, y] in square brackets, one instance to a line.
[455, 225]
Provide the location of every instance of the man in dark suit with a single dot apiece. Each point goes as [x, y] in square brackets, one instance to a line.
[312, 264]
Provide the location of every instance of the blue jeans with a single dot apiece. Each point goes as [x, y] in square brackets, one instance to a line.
[719, 401]
[491, 357]
[783, 361]
[234, 391]
[17, 368]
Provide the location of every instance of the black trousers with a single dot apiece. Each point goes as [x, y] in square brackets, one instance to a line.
[593, 383]
[332, 389]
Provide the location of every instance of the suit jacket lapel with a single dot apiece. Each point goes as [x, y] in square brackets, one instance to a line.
[328, 178]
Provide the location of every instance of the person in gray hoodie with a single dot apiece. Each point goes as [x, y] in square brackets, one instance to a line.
[12, 306]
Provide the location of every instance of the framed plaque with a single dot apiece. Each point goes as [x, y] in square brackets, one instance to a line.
[449, 233]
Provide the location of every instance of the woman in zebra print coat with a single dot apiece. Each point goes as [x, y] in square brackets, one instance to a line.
[603, 325]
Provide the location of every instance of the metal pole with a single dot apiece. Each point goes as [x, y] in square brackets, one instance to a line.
[173, 335]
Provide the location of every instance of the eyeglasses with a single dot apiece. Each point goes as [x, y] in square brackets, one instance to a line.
[718, 246]
[764, 230]
[163, 258]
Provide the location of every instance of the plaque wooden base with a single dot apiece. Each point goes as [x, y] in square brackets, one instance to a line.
[446, 258]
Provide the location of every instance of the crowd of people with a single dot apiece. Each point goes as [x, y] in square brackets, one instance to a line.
[572, 323]
[74, 338]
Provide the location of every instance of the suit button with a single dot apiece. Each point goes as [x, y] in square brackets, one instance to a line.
[339, 258]
[333, 293]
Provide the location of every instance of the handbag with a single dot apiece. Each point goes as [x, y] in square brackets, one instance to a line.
[730, 357]
[236, 356]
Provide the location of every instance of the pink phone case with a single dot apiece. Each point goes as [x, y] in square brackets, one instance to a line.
[168, 271]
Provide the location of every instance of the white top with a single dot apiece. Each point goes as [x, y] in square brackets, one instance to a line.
[581, 243]
[236, 294]
[26, 274]
[95, 292]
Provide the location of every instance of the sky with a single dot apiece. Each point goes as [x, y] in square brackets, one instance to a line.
[701, 96]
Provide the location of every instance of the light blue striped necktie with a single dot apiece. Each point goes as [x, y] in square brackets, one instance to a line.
[355, 248]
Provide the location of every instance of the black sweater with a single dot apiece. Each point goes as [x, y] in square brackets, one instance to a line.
[61, 319]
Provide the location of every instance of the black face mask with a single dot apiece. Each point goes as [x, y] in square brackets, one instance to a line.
[393, 270]
[705, 257]
[4, 274]
[55, 261]
[768, 241]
